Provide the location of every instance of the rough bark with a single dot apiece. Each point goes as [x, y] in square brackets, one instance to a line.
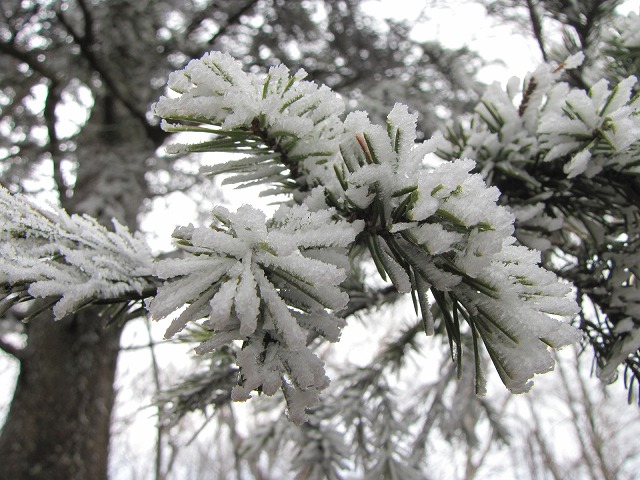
[58, 425]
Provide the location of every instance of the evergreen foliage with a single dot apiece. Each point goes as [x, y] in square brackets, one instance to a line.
[76, 84]
[71, 260]
[427, 229]
[357, 188]
[566, 162]
[513, 232]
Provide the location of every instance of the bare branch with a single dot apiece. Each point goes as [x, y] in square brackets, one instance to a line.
[536, 23]
[578, 424]
[10, 49]
[594, 432]
[232, 20]
[53, 146]
[548, 458]
[88, 22]
[160, 428]
[228, 417]
[153, 132]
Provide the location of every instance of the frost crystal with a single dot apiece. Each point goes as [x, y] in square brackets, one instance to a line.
[294, 117]
[588, 131]
[627, 31]
[597, 128]
[567, 161]
[441, 228]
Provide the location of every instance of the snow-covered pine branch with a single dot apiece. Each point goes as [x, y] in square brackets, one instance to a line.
[585, 132]
[268, 284]
[435, 230]
[72, 260]
[289, 128]
[568, 161]
[275, 285]
[626, 33]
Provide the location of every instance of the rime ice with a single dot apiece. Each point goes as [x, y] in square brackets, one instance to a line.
[252, 280]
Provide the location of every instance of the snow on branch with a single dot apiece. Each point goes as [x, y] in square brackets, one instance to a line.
[626, 33]
[45, 253]
[272, 287]
[288, 127]
[268, 284]
[428, 230]
[441, 229]
[584, 131]
[567, 161]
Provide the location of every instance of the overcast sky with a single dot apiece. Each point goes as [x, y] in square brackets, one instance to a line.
[464, 23]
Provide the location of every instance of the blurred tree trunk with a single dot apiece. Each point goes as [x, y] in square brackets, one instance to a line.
[58, 424]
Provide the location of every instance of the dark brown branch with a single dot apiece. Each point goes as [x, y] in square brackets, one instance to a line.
[88, 22]
[21, 56]
[53, 146]
[153, 132]
[232, 20]
[536, 23]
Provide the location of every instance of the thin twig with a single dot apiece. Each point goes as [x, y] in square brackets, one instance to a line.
[160, 429]
[536, 23]
[229, 418]
[548, 458]
[10, 49]
[577, 423]
[595, 436]
[232, 20]
[53, 146]
[88, 22]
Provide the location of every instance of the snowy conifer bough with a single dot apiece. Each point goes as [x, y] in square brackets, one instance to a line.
[273, 289]
[277, 284]
[567, 163]
[72, 261]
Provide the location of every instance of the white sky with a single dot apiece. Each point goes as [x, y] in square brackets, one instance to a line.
[464, 23]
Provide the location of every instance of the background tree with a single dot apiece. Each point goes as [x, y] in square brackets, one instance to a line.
[106, 162]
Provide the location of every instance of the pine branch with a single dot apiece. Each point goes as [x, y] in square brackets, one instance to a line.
[71, 259]
[440, 231]
[567, 173]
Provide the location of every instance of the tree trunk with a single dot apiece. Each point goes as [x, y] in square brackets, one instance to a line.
[58, 425]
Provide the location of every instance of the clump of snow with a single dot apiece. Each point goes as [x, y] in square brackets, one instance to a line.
[627, 31]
